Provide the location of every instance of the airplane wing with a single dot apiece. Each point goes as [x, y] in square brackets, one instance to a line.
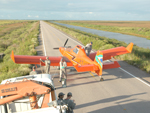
[25, 59]
[107, 54]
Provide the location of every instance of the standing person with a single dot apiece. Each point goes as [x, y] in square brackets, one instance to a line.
[70, 103]
[33, 72]
[47, 64]
[60, 101]
[60, 98]
[88, 48]
[63, 66]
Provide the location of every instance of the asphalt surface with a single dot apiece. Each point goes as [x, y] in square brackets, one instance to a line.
[120, 92]
[139, 41]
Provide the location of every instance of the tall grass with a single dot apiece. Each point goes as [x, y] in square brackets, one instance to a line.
[139, 57]
[22, 41]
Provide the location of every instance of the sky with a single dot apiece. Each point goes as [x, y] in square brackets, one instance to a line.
[134, 10]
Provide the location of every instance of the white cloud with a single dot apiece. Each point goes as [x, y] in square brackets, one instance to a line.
[70, 4]
[90, 12]
[29, 16]
[7, 1]
[37, 16]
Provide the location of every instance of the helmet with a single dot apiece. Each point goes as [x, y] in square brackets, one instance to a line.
[46, 57]
[91, 42]
[69, 94]
[33, 67]
[61, 94]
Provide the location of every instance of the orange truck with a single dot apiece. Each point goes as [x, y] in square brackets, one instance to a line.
[29, 94]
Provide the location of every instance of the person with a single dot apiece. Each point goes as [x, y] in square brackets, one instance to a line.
[63, 66]
[47, 64]
[88, 48]
[60, 98]
[70, 103]
[33, 72]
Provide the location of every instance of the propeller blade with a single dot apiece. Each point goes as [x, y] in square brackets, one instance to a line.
[56, 48]
[66, 42]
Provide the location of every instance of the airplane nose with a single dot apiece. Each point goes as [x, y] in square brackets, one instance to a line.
[61, 49]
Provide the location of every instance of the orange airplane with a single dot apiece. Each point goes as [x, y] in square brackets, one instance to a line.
[77, 57]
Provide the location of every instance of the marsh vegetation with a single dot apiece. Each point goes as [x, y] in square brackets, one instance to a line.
[21, 37]
[136, 28]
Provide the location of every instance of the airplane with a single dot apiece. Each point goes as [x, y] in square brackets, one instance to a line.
[77, 58]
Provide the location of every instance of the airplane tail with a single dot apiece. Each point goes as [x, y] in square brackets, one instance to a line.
[99, 62]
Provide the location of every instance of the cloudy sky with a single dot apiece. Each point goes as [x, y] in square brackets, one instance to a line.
[75, 9]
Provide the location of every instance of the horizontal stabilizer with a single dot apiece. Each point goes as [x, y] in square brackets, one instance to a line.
[129, 47]
[84, 68]
[111, 65]
[109, 53]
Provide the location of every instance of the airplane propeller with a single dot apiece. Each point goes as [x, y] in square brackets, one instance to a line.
[63, 46]
[66, 42]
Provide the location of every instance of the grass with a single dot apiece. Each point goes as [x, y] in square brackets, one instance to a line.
[22, 39]
[5, 22]
[139, 57]
[136, 28]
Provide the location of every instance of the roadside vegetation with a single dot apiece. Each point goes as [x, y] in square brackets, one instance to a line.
[139, 57]
[136, 28]
[21, 37]
[6, 22]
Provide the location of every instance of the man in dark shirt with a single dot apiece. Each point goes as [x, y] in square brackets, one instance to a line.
[70, 103]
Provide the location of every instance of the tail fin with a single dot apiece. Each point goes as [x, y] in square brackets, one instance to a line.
[99, 62]
[12, 56]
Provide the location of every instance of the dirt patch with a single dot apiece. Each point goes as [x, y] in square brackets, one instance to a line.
[10, 27]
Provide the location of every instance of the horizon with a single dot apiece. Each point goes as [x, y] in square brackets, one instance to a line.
[111, 10]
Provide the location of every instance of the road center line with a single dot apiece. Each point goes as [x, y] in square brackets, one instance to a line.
[91, 74]
[119, 67]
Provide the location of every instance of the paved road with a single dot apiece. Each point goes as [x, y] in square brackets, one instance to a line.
[139, 41]
[119, 93]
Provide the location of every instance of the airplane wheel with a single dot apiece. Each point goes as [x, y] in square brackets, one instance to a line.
[101, 79]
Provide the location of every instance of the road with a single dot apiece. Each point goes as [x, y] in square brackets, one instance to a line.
[123, 90]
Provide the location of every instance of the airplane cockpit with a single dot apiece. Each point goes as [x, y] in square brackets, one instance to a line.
[78, 48]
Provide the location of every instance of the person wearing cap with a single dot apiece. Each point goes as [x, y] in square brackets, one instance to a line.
[70, 103]
[33, 72]
[88, 48]
[60, 98]
[63, 72]
[47, 64]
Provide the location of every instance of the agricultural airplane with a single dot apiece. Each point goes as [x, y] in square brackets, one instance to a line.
[77, 57]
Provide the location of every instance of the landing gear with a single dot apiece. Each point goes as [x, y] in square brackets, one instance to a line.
[101, 79]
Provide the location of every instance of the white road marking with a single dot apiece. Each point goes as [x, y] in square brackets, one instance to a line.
[119, 67]
[135, 77]
[43, 42]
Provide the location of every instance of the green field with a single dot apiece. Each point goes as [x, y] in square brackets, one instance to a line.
[136, 28]
[139, 57]
[21, 37]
